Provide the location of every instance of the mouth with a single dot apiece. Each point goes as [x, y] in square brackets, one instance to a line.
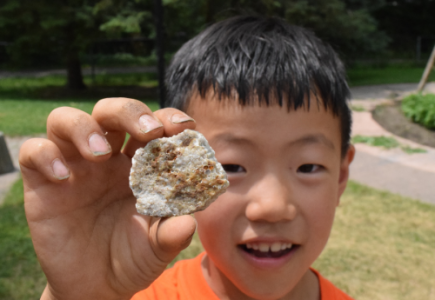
[268, 250]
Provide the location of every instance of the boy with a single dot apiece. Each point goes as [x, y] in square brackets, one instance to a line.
[271, 100]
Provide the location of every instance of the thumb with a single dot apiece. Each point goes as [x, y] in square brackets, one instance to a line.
[168, 236]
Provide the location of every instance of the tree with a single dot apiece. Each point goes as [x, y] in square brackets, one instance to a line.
[62, 30]
[348, 25]
[47, 31]
[352, 32]
[405, 20]
[59, 28]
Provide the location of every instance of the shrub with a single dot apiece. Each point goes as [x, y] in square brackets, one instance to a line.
[420, 109]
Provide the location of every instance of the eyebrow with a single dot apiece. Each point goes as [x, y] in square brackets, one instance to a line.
[231, 138]
[314, 139]
[308, 139]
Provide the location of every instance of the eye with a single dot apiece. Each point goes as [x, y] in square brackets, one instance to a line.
[309, 168]
[233, 168]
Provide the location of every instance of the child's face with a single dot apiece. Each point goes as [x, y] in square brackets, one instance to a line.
[286, 175]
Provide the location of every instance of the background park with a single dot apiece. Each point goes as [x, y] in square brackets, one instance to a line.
[75, 52]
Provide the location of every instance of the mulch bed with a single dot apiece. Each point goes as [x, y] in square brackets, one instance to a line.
[392, 119]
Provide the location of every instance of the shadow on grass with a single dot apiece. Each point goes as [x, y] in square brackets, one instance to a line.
[53, 87]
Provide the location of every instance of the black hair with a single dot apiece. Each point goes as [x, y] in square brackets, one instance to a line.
[262, 57]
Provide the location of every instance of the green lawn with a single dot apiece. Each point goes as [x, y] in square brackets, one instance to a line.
[381, 247]
[52, 86]
[25, 103]
[359, 76]
[28, 117]
[20, 274]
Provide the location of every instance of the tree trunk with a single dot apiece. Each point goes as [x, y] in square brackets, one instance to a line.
[74, 72]
[158, 22]
[427, 70]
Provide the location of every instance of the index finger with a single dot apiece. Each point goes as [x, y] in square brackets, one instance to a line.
[174, 121]
[119, 115]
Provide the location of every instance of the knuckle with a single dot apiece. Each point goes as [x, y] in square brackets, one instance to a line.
[134, 107]
[33, 150]
[80, 120]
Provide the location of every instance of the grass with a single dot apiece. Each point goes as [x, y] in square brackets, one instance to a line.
[140, 86]
[377, 141]
[15, 84]
[25, 103]
[28, 117]
[359, 76]
[20, 274]
[381, 247]
[386, 143]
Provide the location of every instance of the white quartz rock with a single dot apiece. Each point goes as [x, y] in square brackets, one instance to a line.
[176, 176]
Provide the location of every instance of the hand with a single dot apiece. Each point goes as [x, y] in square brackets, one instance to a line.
[89, 239]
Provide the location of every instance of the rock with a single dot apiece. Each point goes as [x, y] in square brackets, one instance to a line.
[176, 176]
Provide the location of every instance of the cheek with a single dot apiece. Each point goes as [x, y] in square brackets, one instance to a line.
[217, 224]
[319, 211]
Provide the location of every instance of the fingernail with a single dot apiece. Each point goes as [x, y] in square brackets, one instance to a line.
[59, 170]
[99, 145]
[148, 123]
[181, 118]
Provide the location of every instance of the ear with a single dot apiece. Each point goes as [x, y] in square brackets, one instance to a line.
[344, 171]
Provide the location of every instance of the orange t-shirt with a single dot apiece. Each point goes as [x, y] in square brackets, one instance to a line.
[185, 282]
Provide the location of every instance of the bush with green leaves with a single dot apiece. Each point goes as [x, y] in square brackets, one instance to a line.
[420, 109]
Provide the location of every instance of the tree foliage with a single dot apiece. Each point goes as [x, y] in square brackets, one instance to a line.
[405, 20]
[45, 31]
[347, 25]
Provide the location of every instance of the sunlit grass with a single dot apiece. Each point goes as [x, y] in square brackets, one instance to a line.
[29, 117]
[381, 247]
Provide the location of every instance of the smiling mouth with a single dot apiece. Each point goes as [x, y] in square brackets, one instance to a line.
[263, 250]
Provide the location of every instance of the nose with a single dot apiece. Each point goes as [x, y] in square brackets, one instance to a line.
[270, 200]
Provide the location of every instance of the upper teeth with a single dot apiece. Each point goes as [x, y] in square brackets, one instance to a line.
[263, 247]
